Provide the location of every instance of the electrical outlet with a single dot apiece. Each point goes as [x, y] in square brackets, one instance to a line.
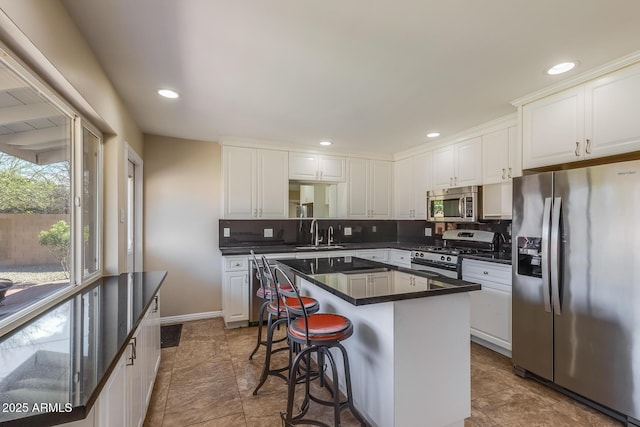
[427, 231]
[374, 229]
[226, 232]
[347, 231]
[268, 232]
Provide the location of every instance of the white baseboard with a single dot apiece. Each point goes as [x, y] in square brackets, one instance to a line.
[190, 317]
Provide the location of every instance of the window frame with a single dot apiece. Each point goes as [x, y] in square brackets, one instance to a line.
[77, 281]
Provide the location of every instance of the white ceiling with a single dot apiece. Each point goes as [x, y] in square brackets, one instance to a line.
[368, 75]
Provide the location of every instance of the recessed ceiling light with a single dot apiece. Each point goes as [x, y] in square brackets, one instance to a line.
[433, 134]
[168, 93]
[326, 143]
[561, 68]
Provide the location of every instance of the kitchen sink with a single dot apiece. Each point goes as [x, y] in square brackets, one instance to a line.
[320, 247]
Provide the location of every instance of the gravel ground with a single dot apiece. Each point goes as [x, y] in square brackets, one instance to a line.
[27, 275]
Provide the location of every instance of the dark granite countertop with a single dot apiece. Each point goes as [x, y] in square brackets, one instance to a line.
[64, 356]
[275, 249]
[338, 275]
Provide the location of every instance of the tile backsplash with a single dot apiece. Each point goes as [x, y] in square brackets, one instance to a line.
[297, 231]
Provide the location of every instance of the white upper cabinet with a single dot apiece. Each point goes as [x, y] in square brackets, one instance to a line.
[500, 156]
[553, 129]
[612, 115]
[256, 183]
[314, 167]
[412, 181]
[595, 119]
[369, 188]
[458, 165]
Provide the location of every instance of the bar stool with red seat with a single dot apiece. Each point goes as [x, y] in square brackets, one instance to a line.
[266, 292]
[277, 315]
[315, 333]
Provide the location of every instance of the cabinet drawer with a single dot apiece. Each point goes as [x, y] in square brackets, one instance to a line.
[488, 271]
[374, 255]
[236, 263]
[400, 257]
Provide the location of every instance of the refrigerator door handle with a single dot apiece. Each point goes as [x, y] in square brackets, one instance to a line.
[554, 256]
[546, 223]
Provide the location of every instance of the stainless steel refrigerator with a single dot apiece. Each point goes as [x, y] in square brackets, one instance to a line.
[576, 282]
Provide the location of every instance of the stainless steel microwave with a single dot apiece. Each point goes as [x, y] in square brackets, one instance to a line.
[462, 204]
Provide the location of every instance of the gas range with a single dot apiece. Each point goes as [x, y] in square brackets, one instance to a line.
[440, 254]
[457, 242]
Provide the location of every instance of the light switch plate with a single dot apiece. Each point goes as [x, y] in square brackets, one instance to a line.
[268, 232]
[427, 231]
[347, 231]
[226, 232]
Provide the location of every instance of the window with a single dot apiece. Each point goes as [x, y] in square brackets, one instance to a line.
[50, 230]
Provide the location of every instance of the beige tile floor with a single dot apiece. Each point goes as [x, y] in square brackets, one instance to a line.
[208, 381]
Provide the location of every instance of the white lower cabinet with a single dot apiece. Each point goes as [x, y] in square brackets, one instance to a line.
[399, 258]
[490, 306]
[235, 289]
[125, 397]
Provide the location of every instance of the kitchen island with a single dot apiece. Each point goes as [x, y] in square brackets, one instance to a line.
[410, 352]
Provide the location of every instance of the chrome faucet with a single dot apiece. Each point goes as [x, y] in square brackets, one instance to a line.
[315, 236]
[330, 235]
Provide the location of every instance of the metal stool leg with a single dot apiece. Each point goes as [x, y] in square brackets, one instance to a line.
[263, 308]
[266, 369]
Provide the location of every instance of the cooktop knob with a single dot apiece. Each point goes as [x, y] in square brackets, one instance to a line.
[442, 258]
[448, 258]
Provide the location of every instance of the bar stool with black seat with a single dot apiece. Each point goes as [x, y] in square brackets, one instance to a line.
[277, 315]
[314, 333]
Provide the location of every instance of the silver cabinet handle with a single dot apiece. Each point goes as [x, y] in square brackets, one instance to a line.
[485, 272]
[132, 343]
[260, 212]
[504, 171]
[451, 181]
[577, 152]
[587, 148]
[509, 174]
[255, 213]
[155, 309]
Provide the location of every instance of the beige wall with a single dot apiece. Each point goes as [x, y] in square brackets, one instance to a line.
[43, 35]
[182, 193]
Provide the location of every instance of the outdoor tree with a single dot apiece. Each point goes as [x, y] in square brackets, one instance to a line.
[56, 240]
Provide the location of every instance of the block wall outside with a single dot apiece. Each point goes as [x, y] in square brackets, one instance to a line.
[19, 238]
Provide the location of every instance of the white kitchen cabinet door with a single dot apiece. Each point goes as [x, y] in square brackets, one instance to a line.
[422, 166]
[235, 298]
[468, 163]
[490, 306]
[357, 188]
[272, 184]
[495, 156]
[256, 183]
[113, 402]
[369, 188]
[497, 200]
[515, 153]
[553, 129]
[612, 124]
[332, 168]
[380, 189]
[443, 167]
[315, 167]
[458, 165]
[412, 180]
[405, 188]
[240, 187]
[379, 284]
